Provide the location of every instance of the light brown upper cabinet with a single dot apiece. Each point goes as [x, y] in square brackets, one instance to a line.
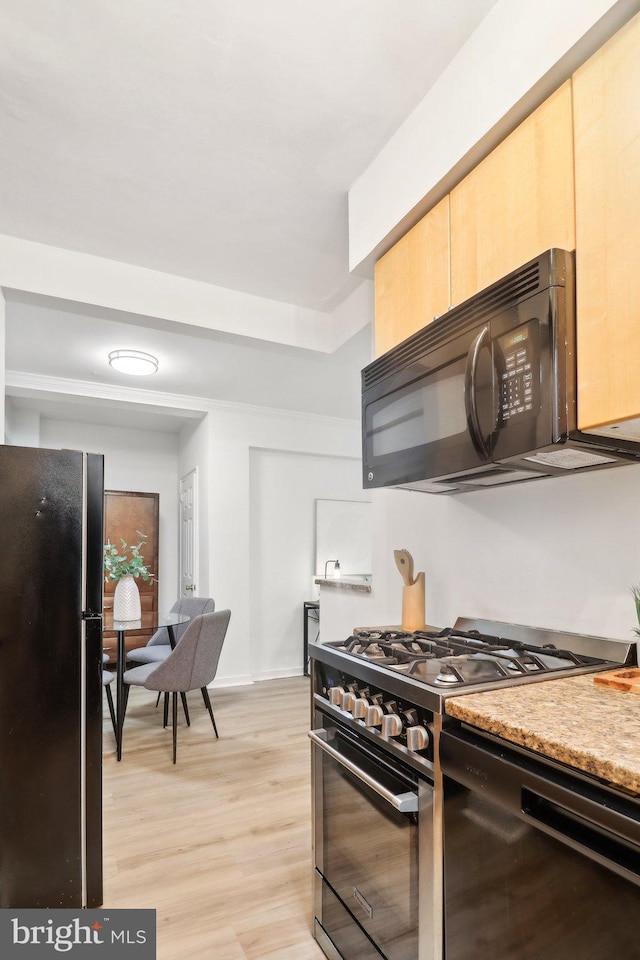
[607, 156]
[412, 280]
[517, 202]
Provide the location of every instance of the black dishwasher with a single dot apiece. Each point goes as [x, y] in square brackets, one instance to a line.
[540, 863]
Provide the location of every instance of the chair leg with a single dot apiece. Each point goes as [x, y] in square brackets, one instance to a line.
[184, 707]
[158, 698]
[127, 688]
[112, 711]
[207, 703]
[174, 711]
[183, 697]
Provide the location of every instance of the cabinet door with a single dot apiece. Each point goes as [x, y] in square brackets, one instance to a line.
[412, 280]
[607, 152]
[518, 202]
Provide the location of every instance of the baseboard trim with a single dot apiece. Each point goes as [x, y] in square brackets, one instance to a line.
[280, 674]
[244, 680]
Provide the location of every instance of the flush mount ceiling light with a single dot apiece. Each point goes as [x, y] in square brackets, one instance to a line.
[135, 362]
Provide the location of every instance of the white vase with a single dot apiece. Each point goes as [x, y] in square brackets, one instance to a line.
[126, 600]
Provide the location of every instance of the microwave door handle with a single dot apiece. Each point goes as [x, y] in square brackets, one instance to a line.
[470, 401]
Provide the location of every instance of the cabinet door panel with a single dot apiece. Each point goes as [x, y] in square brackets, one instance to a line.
[607, 152]
[412, 280]
[518, 202]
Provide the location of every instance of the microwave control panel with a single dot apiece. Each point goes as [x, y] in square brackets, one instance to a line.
[518, 368]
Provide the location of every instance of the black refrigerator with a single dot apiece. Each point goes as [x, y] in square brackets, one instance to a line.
[51, 522]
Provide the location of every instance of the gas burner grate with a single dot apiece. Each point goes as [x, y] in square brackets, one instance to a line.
[454, 658]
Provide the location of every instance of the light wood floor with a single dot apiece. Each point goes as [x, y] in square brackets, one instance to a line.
[220, 844]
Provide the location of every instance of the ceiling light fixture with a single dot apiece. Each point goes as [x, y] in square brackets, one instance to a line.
[134, 362]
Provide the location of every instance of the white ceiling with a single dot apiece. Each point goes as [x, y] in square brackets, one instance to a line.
[49, 339]
[211, 139]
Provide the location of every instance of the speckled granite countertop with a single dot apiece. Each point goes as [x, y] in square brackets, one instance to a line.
[573, 720]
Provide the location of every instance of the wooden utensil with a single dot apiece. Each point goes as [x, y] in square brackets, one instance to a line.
[412, 592]
[404, 563]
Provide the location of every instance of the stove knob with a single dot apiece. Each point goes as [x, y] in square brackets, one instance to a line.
[417, 738]
[391, 725]
[359, 708]
[335, 696]
[373, 715]
[348, 700]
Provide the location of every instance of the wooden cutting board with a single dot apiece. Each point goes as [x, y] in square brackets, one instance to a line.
[627, 680]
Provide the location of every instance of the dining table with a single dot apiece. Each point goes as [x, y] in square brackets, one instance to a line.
[149, 621]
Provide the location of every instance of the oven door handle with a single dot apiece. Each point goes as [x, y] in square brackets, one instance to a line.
[402, 802]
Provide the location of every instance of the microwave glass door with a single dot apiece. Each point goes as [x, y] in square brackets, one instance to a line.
[435, 417]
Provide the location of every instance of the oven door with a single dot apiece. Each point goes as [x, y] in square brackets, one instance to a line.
[434, 415]
[366, 846]
[540, 864]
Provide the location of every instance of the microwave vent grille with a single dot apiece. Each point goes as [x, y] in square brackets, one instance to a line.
[499, 296]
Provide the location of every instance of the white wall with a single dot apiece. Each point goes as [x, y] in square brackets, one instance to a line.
[559, 553]
[233, 434]
[140, 460]
[21, 425]
[283, 489]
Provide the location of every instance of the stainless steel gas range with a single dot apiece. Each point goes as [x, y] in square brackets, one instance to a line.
[377, 715]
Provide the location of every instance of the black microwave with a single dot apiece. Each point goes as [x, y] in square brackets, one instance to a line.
[486, 394]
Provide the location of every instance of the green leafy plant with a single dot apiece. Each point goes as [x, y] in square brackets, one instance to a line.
[635, 593]
[126, 561]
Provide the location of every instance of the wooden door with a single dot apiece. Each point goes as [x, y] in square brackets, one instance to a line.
[412, 280]
[126, 513]
[607, 156]
[518, 202]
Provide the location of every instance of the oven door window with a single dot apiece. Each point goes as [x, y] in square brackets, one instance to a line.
[512, 892]
[370, 850]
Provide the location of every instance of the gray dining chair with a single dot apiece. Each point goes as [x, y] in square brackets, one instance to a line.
[192, 665]
[158, 646]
